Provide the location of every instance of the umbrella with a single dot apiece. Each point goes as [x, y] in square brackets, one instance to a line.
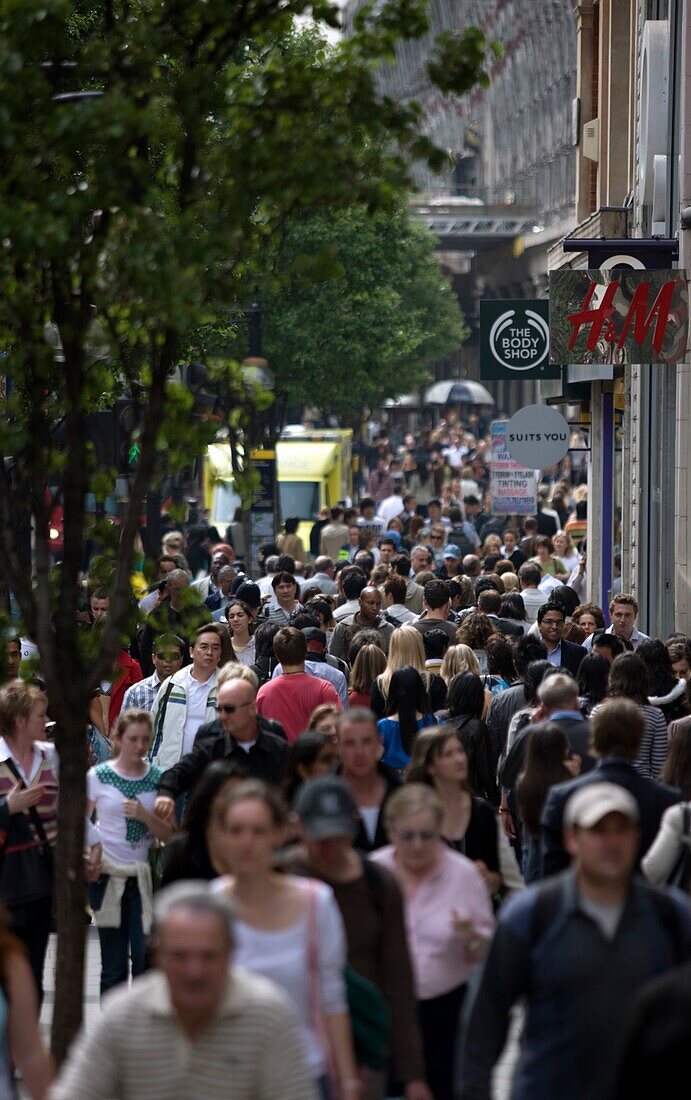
[453, 392]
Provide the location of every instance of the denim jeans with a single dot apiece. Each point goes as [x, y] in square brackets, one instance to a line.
[118, 945]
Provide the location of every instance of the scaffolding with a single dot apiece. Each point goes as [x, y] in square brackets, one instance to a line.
[511, 144]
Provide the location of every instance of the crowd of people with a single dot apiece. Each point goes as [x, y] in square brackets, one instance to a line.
[344, 817]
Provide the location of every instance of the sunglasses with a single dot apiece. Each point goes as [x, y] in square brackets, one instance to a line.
[230, 708]
[408, 835]
[169, 655]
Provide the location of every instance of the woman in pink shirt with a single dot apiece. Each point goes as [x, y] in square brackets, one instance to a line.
[448, 918]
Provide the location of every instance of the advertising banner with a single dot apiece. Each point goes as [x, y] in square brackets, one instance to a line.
[512, 487]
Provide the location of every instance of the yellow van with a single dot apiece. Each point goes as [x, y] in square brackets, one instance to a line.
[314, 469]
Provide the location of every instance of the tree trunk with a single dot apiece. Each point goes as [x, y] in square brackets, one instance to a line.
[70, 887]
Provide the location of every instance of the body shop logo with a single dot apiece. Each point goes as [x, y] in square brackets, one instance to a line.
[519, 340]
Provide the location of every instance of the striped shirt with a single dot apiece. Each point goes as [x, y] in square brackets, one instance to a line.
[141, 696]
[136, 1051]
[43, 773]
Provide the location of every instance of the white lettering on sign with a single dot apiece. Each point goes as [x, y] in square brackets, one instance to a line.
[519, 344]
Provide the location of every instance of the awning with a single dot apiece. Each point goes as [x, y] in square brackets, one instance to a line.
[405, 401]
[453, 392]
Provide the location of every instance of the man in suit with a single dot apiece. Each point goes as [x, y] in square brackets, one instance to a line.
[618, 729]
[563, 654]
[558, 695]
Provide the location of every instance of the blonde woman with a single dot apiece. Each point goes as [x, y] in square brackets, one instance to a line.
[461, 658]
[406, 650]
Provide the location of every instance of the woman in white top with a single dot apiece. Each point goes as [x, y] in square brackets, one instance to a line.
[288, 929]
[122, 791]
[239, 615]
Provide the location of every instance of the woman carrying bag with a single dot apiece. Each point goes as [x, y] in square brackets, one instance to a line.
[28, 818]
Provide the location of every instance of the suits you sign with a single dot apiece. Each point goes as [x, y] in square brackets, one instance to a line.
[537, 436]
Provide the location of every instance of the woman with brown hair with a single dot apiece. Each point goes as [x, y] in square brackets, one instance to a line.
[122, 792]
[547, 763]
[469, 824]
[474, 631]
[28, 818]
[288, 929]
[367, 667]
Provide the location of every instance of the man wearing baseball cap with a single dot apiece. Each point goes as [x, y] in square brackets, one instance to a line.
[370, 902]
[578, 948]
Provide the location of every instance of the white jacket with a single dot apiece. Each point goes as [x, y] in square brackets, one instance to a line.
[169, 714]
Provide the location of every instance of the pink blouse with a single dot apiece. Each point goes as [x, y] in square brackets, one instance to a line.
[438, 958]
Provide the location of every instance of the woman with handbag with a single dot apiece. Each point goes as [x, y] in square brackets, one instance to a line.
[28, 818]
[288, 929]
[123, 793]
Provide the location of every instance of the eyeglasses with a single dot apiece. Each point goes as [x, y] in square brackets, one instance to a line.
[208, 648]
[408, 835]
[230, 708]
[552, 622]
[435, 538]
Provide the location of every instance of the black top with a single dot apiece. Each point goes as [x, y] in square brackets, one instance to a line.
[362, 840]
[475, 737]
[437, 695]
[185, 860]
[480, 840]
[265, 760]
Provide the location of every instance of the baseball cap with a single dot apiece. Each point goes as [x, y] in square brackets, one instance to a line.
[451, 551]
[250, 593]
[594, 801]
[326, 808]
[316, 638]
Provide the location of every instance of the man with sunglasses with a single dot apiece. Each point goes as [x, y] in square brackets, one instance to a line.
[238, 733]
[167, 655]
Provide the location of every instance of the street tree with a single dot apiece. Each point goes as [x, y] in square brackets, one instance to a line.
[151, 149]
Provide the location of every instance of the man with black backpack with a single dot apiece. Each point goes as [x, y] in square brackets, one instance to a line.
[379, 977]
[578, 948]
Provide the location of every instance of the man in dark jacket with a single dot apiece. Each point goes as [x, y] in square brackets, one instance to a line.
[370, 781]
[507, 703]
[577, 948]
[239, 733]
[618, 729]
[558, 695]
[563, 654]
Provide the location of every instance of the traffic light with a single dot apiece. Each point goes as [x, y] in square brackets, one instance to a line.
[114, 434]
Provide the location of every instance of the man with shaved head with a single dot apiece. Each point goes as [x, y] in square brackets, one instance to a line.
[367, 617]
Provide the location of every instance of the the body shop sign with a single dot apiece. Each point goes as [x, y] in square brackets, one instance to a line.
[618, 316]
[512, 486]
[514, 340]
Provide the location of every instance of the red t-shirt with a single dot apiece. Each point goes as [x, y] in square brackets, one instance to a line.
[291, 699]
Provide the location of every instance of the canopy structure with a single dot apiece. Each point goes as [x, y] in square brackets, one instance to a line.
[405, 401]
[454, 392]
